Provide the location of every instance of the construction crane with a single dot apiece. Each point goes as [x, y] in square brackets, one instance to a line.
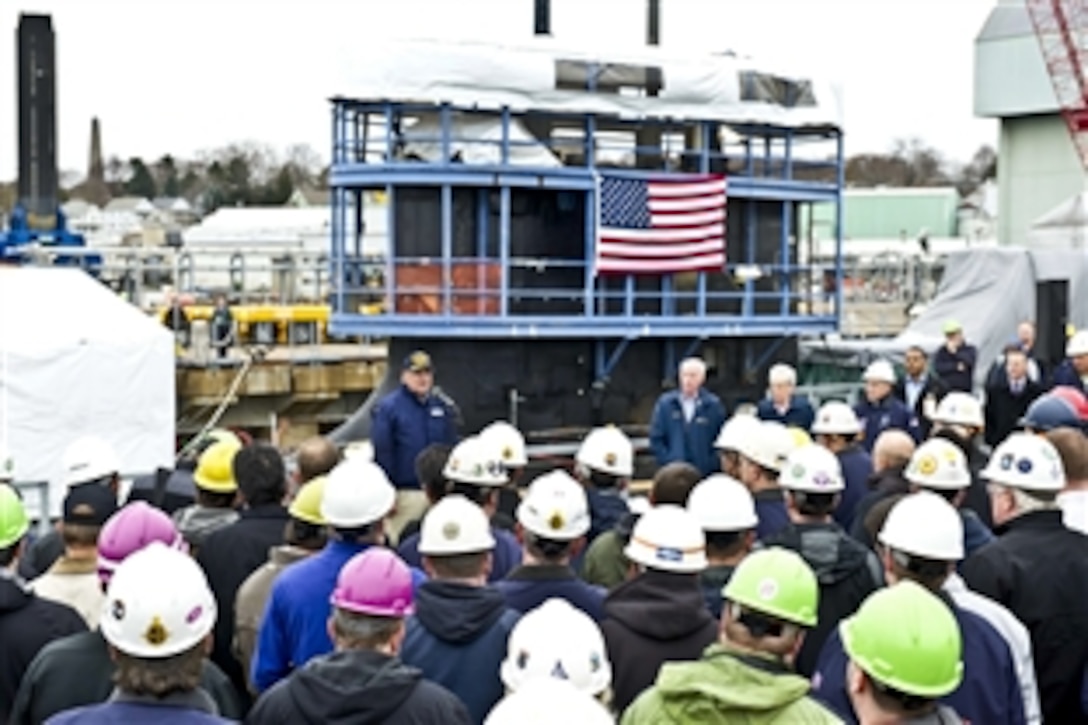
[1061, 27]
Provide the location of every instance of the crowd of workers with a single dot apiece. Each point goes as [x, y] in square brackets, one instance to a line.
[868, 564]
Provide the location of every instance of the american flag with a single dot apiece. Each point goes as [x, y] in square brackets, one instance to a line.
[661, 225]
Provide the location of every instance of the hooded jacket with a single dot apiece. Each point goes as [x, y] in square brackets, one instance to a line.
[357, 688]
[178, 708]
[77, 671]
[655, 618]
[27, 623]
[847, 573]
[882, 484]
[726, 687]
[988, 693]
[197, 522]
[527, 587]
[455, 625]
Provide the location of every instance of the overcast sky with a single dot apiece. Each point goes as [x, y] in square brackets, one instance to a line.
[168, 76]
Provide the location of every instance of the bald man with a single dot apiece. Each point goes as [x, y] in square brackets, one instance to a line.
[891, 454]
[315, 457]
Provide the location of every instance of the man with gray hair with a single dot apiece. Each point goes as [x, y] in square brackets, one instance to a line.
[686, 421]
[782, 405]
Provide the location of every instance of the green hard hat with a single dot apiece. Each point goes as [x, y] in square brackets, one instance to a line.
[776, 582]
[906, 638]
[13, 520]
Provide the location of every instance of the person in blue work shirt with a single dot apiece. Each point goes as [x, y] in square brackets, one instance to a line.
[356, 499]
[955, 360]
[881, 410]
[921, 541]
[553, 519]
[1073, 372]
[405, 422]
[475, 471]
[792, 411]
[458, 633]
[763, 452]
[604, 464]
[686, 421]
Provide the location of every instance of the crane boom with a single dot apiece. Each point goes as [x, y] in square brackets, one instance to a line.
[1061, 27]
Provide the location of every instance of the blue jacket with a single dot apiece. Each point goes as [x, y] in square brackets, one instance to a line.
[189, 708]
[888, 413]
[975, 533]
[527, 587]
[771, 512]
[674, 439]
[404, 425]
[457, 636]
[857, 467]
[956, 369]
[504, 559]
[607, 508]
[1066, 374]
[799, 415]
[989, 692]
[293, 629]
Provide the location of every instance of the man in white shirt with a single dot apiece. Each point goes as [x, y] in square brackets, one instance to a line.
[1072, 446]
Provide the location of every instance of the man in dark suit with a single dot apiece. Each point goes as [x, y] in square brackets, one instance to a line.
[1008, 396]
[920, 390]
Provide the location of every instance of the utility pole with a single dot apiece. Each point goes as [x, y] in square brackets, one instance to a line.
[648, 137]
[542, 17]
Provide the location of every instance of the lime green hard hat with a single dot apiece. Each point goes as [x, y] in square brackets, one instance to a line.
[908, 639]
[13, 520]
[776, 582]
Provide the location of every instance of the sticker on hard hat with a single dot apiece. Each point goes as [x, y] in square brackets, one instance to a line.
[927, 466]
[156, 633]
[798, 471]
[507, 453]
[451, 530]
[609, 459]
[559, 673]
[821, 479]
[194, 614]
[668, 553]
[767, 589]
[1007, 461]
[556, 521]
[118, 610]
[1024, 465]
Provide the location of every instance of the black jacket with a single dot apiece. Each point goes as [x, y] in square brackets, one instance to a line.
[1039, 570]
[228, 557]
[27, 623]
[357, 688]
[655, 618]
[978, 455]
[41, 555]
[1004, 409]
[846, 571]
[77, 671]
[889, 482]
[934, 388]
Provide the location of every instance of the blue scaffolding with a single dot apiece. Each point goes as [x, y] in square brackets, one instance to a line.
[456, 268]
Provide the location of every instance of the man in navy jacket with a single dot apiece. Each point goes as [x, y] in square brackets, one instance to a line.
[792, 411]
[686, 421]
[405, 422]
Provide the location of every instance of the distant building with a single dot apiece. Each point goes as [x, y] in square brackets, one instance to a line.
[1038, 168]
[309, 197]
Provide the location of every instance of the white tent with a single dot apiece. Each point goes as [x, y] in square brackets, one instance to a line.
[75, 360]
[1063, 227]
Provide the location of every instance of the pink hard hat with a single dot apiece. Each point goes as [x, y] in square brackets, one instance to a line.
[131, 529]
[375, 582]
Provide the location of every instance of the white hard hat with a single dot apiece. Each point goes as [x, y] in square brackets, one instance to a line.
[546, 701]
[769, 446]
[879, 371]
[722, 503]
[1077, 345]
[555, 507]
[812, 469]
[474, 462]
[668, 538]
[557, 640]
[836, 418]
[453, 526]
[958, 408]
[508, 442]
[735, 431]
[938, 464]
[607, 450]
[362, 450]
[89, 458]
[357, 493]
[158, 604]
[924, 524]
[1027, 462]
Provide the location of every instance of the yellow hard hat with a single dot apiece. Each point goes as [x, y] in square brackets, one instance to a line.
[214, 471]
[307, 504]
[801, 438]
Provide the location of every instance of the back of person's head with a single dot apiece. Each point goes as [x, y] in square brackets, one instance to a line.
[1072, 447]
[261, 475]
[316, 456]
[673, 483]
[429, 466]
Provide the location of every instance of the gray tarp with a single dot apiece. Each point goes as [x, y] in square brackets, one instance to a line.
[989, 291]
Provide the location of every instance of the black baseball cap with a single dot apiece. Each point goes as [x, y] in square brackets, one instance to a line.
[89, 504]
[418, 361]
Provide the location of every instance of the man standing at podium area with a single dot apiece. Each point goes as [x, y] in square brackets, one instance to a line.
[687, 420]
[406, 421]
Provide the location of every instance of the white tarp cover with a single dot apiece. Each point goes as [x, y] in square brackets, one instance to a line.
[75, 359]
[1063, 227]
[989, 291]
[476, 141]
[525, 77]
